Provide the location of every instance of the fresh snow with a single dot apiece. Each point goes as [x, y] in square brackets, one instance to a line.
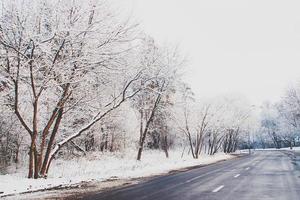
[274, 149]
[103, 166]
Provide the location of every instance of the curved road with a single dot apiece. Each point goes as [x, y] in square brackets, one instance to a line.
[265, 175]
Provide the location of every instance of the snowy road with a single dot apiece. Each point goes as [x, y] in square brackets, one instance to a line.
[265, 175]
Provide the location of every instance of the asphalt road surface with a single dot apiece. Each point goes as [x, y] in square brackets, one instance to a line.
[264, 175]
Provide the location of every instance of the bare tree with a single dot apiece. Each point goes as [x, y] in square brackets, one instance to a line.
[161, 66]
[195, 127]
[289, 116]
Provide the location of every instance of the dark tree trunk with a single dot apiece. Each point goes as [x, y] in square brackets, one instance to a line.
[166, 146]
[139, 156]
[36, 165]
[144, 133]
[17, 153]
[31, 163]
[47, 160]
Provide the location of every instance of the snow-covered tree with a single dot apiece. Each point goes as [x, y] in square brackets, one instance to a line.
[157, 86]
[67, 68]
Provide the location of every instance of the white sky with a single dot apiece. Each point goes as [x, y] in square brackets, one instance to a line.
[250, 47]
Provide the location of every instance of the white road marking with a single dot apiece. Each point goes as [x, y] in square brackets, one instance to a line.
[194, 178]
[254, 163]
[236, 175]
[247, 168]
[197, 177]
[218, 189]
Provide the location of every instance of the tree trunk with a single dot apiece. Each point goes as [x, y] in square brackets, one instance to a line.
[191, 146]
[31, 161]
[182, 152]
[167, 153]
[17, 154]
[46, 161]
[139, 156]
[142, 139]
[166, 146]
[36, 165]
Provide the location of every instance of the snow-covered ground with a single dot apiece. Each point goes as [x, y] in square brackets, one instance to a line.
[100, 167]
[274, 149]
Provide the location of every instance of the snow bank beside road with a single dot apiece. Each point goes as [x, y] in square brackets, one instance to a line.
[274, 149]
[101, 167]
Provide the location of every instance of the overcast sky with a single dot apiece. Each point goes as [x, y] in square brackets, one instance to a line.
[234, 46]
